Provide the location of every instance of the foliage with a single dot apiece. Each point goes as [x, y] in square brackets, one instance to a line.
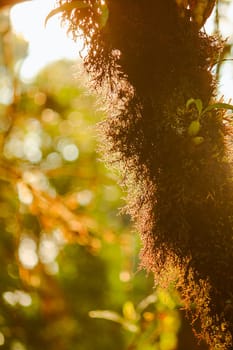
[195, 125]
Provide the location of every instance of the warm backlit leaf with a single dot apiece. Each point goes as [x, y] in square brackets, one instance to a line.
[194, 128]
[129, 311]
[198, 140]
[197, 102]
[218, 106]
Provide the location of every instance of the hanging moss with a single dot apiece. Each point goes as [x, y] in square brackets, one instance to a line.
[153, 58]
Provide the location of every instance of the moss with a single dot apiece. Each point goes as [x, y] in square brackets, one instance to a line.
[180, 192]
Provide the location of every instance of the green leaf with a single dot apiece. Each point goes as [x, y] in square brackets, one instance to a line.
[198, 140]
[194, 128]
[75, 4]
[198, 103]
[219, 106]
[129, 311]
[190, 102]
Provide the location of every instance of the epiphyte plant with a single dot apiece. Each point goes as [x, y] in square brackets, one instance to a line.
[195, 125]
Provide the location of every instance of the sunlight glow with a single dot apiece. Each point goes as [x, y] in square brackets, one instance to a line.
[70, 152]
[28, 253]
[50, 43]
[53, 161]
[225, 87]
[84, 197]
[125, 276]
[46, 44]
[5, 89]
[48, 249]
[24, 193]
[32, 143]
[17, 297]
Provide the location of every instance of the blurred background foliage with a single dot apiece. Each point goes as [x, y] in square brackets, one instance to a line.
[69, 274]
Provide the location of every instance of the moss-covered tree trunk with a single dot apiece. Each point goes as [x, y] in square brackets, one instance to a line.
[174, 158]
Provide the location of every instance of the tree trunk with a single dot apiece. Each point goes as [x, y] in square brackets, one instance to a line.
[174, 156]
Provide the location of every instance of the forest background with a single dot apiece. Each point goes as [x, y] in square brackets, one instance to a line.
[70, 275]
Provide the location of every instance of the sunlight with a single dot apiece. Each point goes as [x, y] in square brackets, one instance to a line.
[48, 249]
[68, 150]
[226, 82]
[84, 197]
[24, 193]
[46, 44]
[50, 43]
[28, 253]
[17, 297]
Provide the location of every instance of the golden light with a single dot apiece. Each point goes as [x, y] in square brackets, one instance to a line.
[27, 253]
[225, 26]
[50, 43]
[46, 43]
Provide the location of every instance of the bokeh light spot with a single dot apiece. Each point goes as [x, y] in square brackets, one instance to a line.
[24, 193]
[14, 148]
[27, 253]
[70, 152]
[17, 297]
[50, 116]
[10, 298]
[24, 299]
[40, 98]
[53, 160]
[48, 250]
[125, 276]
[32, 143]
[84, 197]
